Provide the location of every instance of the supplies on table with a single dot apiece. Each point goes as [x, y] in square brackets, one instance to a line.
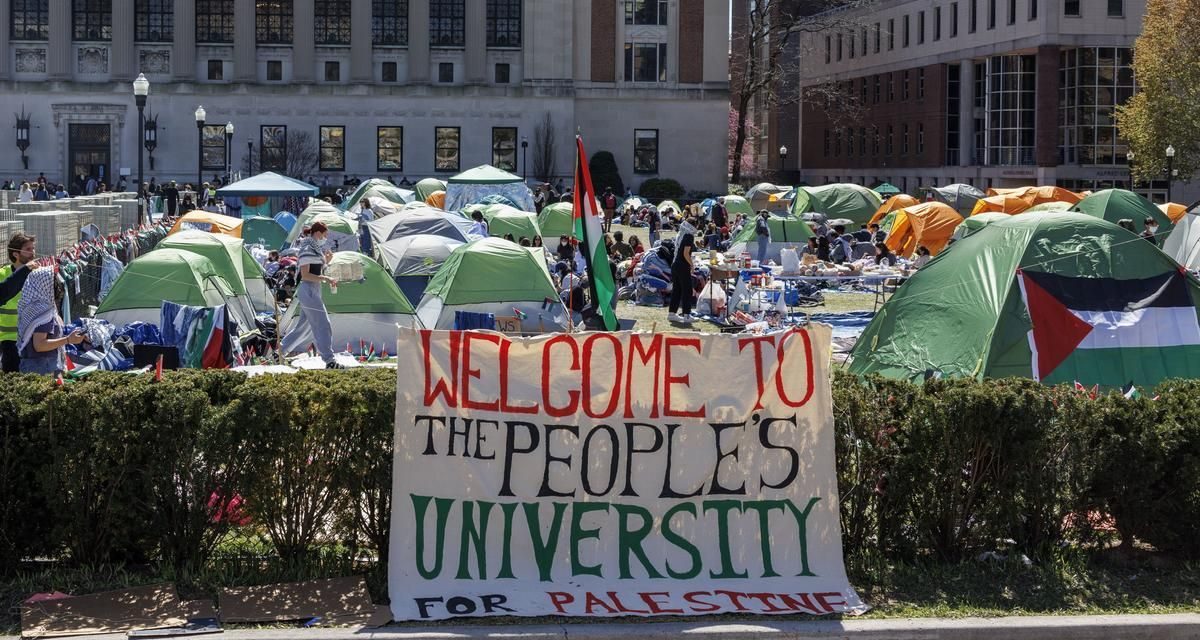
[820, 269]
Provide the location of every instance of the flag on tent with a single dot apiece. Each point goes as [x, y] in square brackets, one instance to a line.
[589, 230]
[1107, 315]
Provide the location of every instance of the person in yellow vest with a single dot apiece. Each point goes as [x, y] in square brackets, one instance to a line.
[22, 249]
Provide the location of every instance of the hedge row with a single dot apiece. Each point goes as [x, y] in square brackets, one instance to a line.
[120, 469]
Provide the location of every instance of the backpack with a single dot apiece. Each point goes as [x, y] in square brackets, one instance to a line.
[761, 228]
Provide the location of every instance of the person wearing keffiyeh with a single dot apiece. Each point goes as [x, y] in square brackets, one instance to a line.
[40, 338]
[313, 327]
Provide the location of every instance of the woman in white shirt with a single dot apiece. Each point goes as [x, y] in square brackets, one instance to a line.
[26, 193]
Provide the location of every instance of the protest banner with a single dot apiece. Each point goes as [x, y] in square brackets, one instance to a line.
[606, 474]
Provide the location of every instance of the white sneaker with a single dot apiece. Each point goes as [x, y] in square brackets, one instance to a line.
[689, 318]
[674, 317]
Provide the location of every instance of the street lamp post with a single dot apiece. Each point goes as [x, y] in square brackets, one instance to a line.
[150, 137]
[228, 151]
[525, 158]
[783, 151]
[249, 158]
[200, 115]
[1170, 169]
[1129, 163]
[141, 90]
[23, 136]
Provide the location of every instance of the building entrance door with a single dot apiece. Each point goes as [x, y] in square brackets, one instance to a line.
[90, 149]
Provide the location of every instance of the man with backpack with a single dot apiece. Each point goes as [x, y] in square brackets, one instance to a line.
[719, 214]
[610, 208]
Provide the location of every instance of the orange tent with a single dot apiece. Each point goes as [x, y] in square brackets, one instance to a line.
[1013, 201]
[437, 199]
[894, 203]
[929, 224]
[1174, 211]
[210, 222]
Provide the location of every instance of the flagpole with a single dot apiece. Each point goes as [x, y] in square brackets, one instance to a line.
[583, 229]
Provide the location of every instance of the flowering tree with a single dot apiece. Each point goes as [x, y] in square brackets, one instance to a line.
[742, 163]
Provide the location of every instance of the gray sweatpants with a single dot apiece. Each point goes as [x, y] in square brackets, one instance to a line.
[764, 243]
[313, 324]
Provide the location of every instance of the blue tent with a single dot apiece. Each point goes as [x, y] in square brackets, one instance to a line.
[286, 220]
[268, 184]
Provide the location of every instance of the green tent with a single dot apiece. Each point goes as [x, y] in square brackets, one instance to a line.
[851, 201]
[376, 190]
[163, 275]
[363, 312]
[493, 276]
[964, 313]
[971, 224]
[886, 190]
[1118, 204]
[785, 232]
[264, 231]
[557, 219]
[503, 219]
[232, 262]
[737, 204]
[343, 232]
[427, 187]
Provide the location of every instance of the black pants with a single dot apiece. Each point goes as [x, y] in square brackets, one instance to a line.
[10, 361]
[682, 297]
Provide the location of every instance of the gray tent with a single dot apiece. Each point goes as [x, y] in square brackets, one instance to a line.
[960, 197]
[420, 221]
[413, 260]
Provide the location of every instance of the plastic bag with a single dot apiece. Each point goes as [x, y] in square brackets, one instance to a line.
[711, 301]
[790, 260]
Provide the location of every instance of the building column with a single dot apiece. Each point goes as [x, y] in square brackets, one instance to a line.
[304, 65]
[59, 53]
[124, 54]
[245, 51]
[5, 29]
[1045, 133]
[362, 63]
[418, 42]
[966, 113]
[183, 53]
[476, 36]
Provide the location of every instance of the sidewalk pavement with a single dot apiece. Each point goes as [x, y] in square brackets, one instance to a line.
[1156, 627]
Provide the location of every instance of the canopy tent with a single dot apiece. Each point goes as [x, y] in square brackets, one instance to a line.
[264, 231]
[960, 197]
[971, 224]
[503, 220]
[1119, 204]
[967, 313]
[497, 277]
[894, 203]
[844, 200]
[212, 222]
[418, 221]
[269, 184]
[286, 219]
[886, 190]
[767, 196]
[1174, 210]
[557, 219]
[929, 225]
[233, 263]
[1017, 200]
[413, 260]
[361, 313]
[163, 275]
[474, 185]
[343, 232]
[376, 191]
[786, 231]
[428, 187]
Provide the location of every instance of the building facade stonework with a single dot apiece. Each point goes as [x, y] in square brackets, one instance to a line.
[400, 88]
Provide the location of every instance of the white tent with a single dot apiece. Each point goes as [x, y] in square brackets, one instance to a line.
[1183, 244]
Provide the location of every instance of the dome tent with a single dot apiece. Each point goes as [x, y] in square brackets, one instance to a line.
[420, 220]
[503, 219]
[343, 232]
[474, 185]
[376, 190]
[1183, 244]
[428, 187]
[366, 311]
[211, 222]
[1019, 199]
[232, 262]
[929, 224]
[163, 275]
[1118, 204]
[493, 276]
[413, 260]
[264, 231]
[960, 197]
[786, 231]
[968, 312]
[844, 200]
[894, 203]
[557, 219]
[971, 224]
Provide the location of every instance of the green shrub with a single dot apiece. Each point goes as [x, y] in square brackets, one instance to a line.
[605, 173]
[659, 189]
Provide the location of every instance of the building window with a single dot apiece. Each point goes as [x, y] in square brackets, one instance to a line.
[890, 147]
[645, 11]
[920, 83]
[953, 113]
[850, 37]
[333, 71]
[645, 62]
[1095, 82]
[826, 148]
[905, 41]
[272, 146]
[216, 69]
[904, 140]
[389, 23]
[1011, 84]
[973, 16]
[503, 73]
[876, 37]
[214, 21]
[30, 19]
[212, 147]
[389, 72]
[849, 142]
[332, 22]
[877, 85]
[839, 47]
[937, 23]
[863, 42]
[828, 49]
[446, 72]
[904, 86]
[1033, 9]
[93, 20]
[1012, 11]
[645, 151]
[333, 149]
[447, 155]
[447, 23]
[504, 148]
[862, 141]
[275, 70]
[875, 140]
[1116, 8]
[862, 95]
[920, 138]
[920, 27]
[503, 23]
[273, 21]
[389, 148]
[837, 143]
[154, 21]
[953, 19]
[891, 34]
[891, 87]
[991, 23]
[1071, 8]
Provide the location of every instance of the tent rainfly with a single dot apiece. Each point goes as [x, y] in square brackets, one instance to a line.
[474, 185]
[163, 275]
[845, 200]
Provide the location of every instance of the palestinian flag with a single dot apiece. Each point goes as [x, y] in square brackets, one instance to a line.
[1111, 321]
[589, 230]
[215, 354]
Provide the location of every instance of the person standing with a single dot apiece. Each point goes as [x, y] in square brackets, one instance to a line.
[682, 296]
[170, 194]
[610, 208]
[40, 333]
[1151, 228]
[762, 231]
[479, 226]
[654, 222]
[313, 324]
[365, 215]
[21, 251]
[26, 194]
[719, 214]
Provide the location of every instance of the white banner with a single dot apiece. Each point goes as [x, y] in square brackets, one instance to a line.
[606, 474]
